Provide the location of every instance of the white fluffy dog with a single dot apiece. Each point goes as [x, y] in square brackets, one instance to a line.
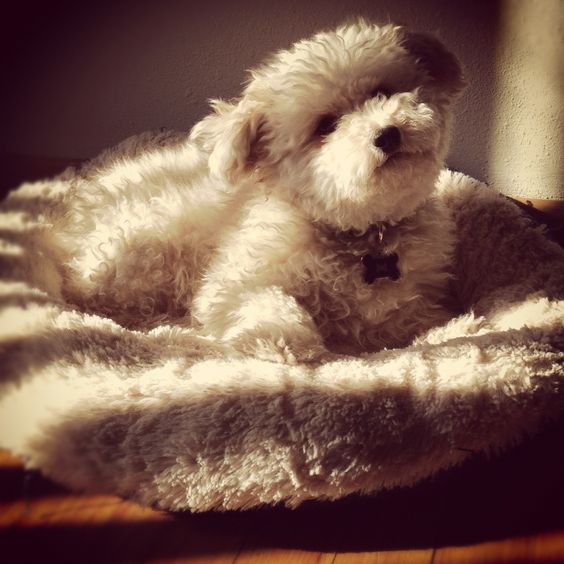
[295, 220]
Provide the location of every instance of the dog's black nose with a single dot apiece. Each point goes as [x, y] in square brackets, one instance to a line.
[389, 139]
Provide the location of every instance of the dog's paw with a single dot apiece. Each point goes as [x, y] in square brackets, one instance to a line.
[279, 348]
[271, 325]
[296, 352]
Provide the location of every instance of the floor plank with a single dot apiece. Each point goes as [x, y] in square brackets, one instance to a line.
[53, 524]
[386, 557]
[283, 556]
[539, 548]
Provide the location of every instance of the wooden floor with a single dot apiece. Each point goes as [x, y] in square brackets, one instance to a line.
[508, 508]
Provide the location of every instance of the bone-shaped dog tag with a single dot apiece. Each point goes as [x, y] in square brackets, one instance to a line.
[380, 266]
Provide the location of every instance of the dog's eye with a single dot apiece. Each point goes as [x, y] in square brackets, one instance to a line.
[380, 91]
[327, 124]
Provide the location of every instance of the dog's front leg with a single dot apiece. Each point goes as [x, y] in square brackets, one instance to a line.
[266, 323]
[245, 298]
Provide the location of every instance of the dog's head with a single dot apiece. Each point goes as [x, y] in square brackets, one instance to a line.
[352, 124]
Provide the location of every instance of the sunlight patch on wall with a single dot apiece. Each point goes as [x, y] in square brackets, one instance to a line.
[528, 118]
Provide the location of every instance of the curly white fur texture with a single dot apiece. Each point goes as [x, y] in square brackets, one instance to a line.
[237, 228]
[178, 421]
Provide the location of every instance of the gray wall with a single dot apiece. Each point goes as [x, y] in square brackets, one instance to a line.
[79, 79]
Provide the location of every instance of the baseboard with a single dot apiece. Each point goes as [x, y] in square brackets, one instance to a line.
[554, 208]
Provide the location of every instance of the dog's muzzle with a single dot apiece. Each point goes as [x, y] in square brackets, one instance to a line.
[388, 140]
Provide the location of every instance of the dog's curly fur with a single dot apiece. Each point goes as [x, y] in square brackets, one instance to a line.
[252, 227]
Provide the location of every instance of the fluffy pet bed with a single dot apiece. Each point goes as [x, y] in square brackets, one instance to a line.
[175, 421]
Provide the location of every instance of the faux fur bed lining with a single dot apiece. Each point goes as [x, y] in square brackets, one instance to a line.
[173, 420]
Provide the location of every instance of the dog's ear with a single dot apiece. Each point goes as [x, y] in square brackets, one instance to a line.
[230, 134]
[442, 67]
